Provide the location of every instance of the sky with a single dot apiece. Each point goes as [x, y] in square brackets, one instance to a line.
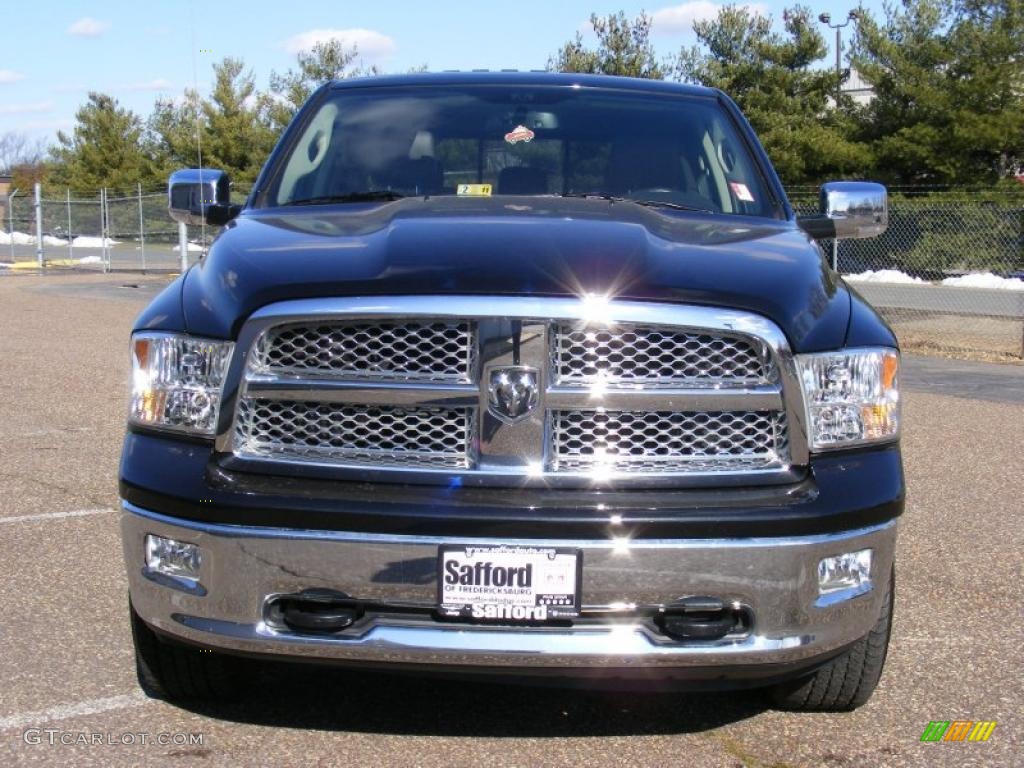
[53, 52]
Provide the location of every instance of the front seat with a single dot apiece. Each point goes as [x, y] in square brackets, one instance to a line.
[644, 165]
[522, 180]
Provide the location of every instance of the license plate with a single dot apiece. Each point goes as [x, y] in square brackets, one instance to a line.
[509, 583]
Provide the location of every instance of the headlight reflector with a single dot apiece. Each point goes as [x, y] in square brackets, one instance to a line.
[852, 396]
[176, 381]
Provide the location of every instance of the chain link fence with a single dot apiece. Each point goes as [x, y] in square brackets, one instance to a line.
[947, 275]
[105, 232]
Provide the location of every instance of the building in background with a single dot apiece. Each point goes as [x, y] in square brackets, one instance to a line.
[857, 89]
[5, 190]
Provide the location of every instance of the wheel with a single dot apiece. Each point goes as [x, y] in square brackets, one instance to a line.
[179, 672]
[847, 681]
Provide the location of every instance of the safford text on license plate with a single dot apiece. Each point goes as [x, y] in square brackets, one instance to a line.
[509, 583]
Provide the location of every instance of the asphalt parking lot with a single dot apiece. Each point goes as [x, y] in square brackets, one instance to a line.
[66, 661]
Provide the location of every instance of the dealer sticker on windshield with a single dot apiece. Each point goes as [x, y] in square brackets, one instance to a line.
[474, 190]
[509, 583]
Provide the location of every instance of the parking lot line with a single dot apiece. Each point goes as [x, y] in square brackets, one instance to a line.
[64, 711]
[54, 515]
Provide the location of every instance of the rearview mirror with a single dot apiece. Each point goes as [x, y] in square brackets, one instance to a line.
[200, 195]
[849, 210]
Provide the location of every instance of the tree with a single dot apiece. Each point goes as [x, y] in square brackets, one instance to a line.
[623, 48]
[105, 149]
[232, 134]
[328, 60]
[235, 139]
[948, 79]
[788, 100]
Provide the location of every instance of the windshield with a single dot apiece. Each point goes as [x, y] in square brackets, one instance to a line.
[383, 143]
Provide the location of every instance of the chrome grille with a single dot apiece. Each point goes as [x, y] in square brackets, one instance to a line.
[659, 441]
[426, 351]
[402, 389]
[378, 436]
[656, 356]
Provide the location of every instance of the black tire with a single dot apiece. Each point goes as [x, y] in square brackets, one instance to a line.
[847, 681]
[182, 673]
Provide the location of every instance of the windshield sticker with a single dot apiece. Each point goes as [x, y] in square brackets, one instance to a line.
[740, 190]
[519, 133]
[474, 190]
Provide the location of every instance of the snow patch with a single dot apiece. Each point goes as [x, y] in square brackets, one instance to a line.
[192, 248]
[986, 280]
[883, 276]
[51, 240]
[90, 260]
[16, 238]
[86, 241]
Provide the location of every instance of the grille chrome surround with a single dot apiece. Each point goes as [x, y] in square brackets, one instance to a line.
[373, 435]
[652, 357]
[651, 441]
[420, 350]
[474, 448]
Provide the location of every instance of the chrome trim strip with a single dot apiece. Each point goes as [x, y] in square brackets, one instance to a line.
[391, 393]
[261, 532]
[518, 464]
[764, 398]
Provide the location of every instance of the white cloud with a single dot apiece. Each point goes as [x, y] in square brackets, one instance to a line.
[372, 46]
[10, 76]
[26, 109]
[678, 19]
[88, 27]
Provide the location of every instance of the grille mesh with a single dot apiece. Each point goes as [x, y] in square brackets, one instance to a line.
[656, 356]
[424, 350]
[380, 436]
[666, 441]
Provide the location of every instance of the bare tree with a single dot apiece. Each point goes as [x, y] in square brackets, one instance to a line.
[20, 149]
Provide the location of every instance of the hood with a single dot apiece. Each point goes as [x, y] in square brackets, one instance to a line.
[520, 246]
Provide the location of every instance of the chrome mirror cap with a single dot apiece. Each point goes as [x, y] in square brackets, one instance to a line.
[857, 209]
[198, 195]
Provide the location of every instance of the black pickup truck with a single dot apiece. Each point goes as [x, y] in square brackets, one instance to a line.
[516, 374]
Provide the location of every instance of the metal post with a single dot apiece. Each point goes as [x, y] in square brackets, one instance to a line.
[71, 248]
[839, 69]
[142, 230]
[103, 228]
[183, 245]
[10, 212]
[835, 254]
[39, 223]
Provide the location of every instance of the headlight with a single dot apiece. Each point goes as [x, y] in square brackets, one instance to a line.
[852, 396]
[176, 382]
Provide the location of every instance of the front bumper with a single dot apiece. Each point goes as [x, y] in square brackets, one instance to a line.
[243, 567]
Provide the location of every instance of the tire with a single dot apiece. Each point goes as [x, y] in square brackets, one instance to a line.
[179, 672]
[847, 681]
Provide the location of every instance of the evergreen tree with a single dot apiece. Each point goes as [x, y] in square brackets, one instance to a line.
[787, 98]
[105, 149]
[948, 79]
[623, 48]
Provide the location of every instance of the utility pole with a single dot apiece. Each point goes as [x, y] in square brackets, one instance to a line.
[826, 18]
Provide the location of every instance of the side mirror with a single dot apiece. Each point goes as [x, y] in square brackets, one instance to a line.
[200, 195]
[849, 210]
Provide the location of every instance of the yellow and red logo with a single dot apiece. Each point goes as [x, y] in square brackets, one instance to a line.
[958, 730]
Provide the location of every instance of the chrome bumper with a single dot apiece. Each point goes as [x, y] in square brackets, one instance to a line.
[244, 566]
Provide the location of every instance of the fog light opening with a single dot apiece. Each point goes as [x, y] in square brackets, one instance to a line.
[841, 577]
